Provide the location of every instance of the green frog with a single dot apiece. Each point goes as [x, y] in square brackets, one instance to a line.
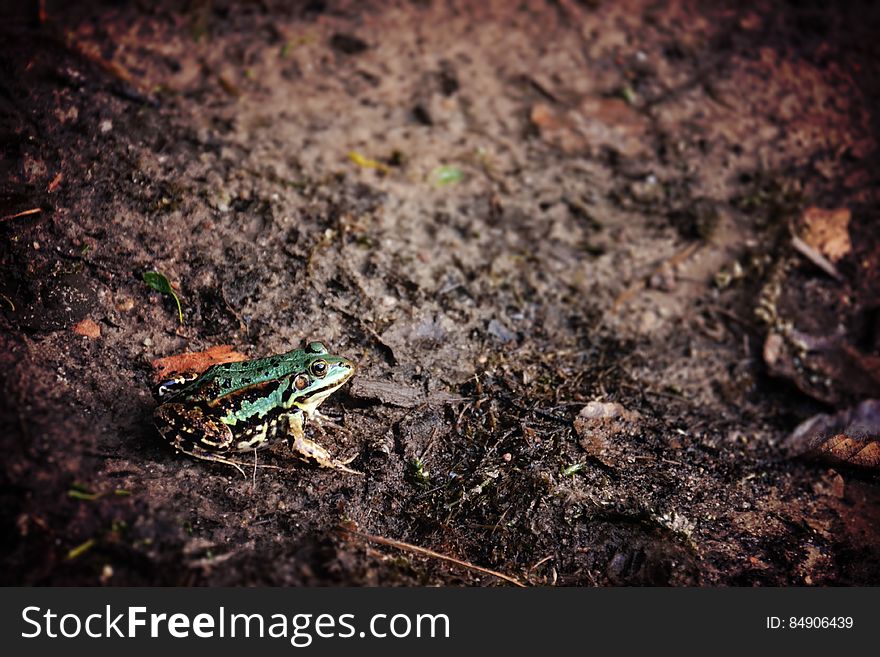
[241, 407]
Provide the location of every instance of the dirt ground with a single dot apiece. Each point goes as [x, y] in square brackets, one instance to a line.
[511, 216]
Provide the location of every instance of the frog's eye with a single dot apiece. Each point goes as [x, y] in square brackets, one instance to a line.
[319, 368]
[316, 348]
[301, 382]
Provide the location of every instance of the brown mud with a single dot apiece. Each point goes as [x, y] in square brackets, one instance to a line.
[620, 183]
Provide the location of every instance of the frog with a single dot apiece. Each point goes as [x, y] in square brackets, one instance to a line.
[240, 407]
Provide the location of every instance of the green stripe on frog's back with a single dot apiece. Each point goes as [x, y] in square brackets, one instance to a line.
[255, 403]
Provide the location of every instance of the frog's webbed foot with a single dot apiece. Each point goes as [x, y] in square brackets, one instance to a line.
[321, 421]
[309, 450]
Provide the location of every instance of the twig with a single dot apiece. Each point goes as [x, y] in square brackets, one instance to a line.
[254, 478]
[23, 213]
[408, 547]
[91, 54]
[544, 560]
[815, 257]
[56, 182]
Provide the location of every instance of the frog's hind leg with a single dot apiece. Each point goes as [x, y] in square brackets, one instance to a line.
[190, 432]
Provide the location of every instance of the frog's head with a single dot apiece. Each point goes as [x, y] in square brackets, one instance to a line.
[319, 376]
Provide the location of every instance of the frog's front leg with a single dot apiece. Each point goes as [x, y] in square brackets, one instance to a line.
[308, 450]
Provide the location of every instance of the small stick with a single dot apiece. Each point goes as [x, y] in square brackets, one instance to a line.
[23, 213]
[408, 547]
[254, 479]
[815, 257]
[544, 560]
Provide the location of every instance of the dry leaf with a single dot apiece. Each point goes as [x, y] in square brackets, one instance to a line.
[194, 362]
[857, 450]
[827, 231]
[851, 436]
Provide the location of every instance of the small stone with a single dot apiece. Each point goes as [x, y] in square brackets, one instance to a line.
[124, 304]
[595, 409]
[105, 126]
[220, 200]
[88, 328]
[68, 115]
[106, 573]
[647, 190]
[598, 423]
[500, 331]
[773, 348]
[663, 280]
[649, 321]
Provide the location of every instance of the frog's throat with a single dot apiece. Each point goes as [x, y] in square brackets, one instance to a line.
[310, 404]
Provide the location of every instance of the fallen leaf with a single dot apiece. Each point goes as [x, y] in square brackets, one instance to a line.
[87, 328]
[857, 450]
[160, 283]
[827, 231]
[850, 437]
[194, 362]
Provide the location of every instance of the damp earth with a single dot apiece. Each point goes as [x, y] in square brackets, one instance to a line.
[554, 236]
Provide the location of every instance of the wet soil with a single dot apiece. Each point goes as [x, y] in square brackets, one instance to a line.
[505, 213]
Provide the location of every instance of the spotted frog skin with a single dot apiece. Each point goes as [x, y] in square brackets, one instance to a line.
[234, 408]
